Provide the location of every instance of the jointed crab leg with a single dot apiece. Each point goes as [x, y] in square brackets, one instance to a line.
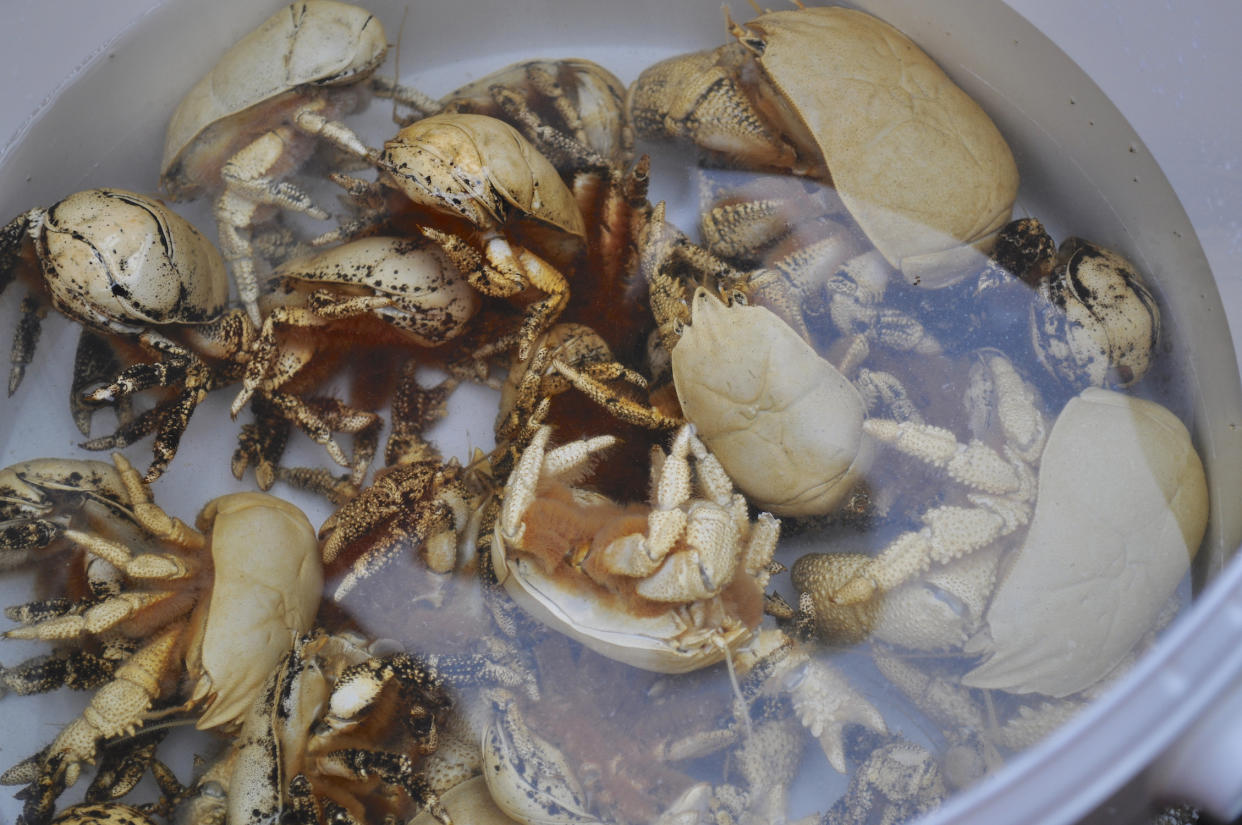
[1003, 483]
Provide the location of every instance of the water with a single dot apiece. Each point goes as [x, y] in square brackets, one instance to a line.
[200, 472]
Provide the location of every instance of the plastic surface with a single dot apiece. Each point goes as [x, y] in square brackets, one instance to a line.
[1156, 735]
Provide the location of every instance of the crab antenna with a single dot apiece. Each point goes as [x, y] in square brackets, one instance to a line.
[396, 61]
[734, 28]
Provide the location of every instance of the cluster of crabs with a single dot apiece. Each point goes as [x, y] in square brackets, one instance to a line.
[598, 619]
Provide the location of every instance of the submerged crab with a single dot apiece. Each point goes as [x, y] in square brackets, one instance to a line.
[573, 112]
[672, 585]
[338, 306]
[896, 782]
[140, 279]
[1122, 508]
[252, 120]
[572, 355]
[637, 763]
[199, 618]
[551, 101]
[801, 255]
[1092, 319]
[845, 98]
[425, 505]
[481, 186]
[1000, 483]
[785, 423]
[1094, 322]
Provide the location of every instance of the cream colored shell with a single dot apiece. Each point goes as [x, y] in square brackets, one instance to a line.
[431, 299]
[1094, 322]
[268, 582]
[597, 95]
[1122, 508]
[658, 642]
[918, 163]
[469, 802]
[785, 424]
[33, 485]
[312, 42]
[119, 260]
[533, 783]
[474, 165]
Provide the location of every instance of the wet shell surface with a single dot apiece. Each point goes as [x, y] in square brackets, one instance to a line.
[478, 166]
[917, 162]
[657, 642]
[316, 42]
[121, 260]
[785, 423]
[260, 601]
[431, 300]
[1094, 322]
[1122, 509]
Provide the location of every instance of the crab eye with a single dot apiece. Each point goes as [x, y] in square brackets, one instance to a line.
[212, 789]
[735, 297]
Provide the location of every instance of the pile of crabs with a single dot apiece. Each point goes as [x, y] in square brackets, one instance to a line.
[597, 620]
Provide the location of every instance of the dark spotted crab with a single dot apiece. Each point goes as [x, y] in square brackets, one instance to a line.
[142, 281]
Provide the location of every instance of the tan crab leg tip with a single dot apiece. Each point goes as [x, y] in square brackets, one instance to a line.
[858, 591]
[520, 488]
[239, 402]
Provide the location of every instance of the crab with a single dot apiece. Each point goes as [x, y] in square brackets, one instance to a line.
[1000, 488]
[1150, 523]
[370, 293]
[124, 763]
[637, 763]
[756, 390]
[978, 728]
[673, 585]
[840, 96]
[1039, 629]
[102, 813]
[344, 730]
[566, 351]
[573, 355]
[529, 779]
[1093, 322]
[573, 112]
[802, 256]
[543, 765]
[256, 116]
[478, 182]
[613, 765]
[198, 618]
[310, 744]
[896, 782]
[468, 801]
[552, 101]
[139, 278]
[121, 766]
[1092, 318]
[783, 691]
[424, 503]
